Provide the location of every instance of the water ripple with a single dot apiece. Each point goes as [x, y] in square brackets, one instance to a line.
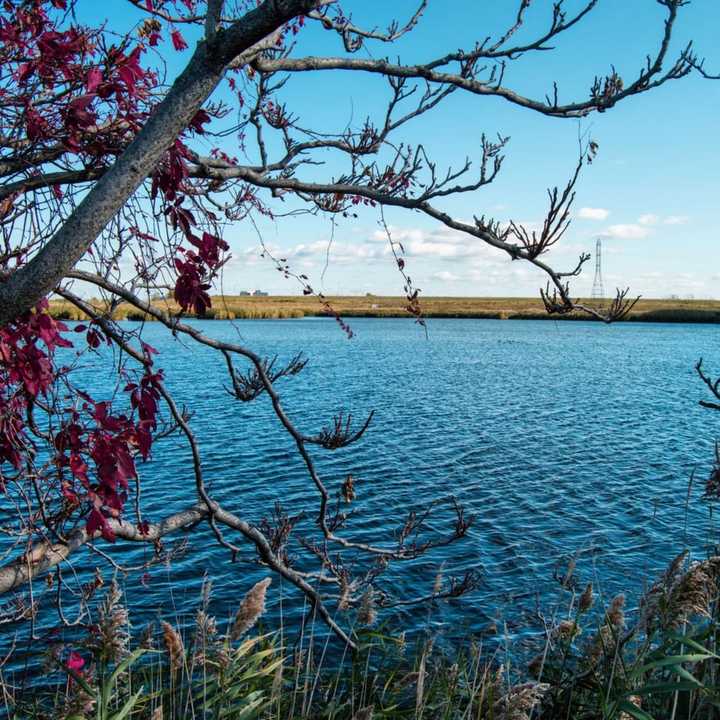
[562, 438]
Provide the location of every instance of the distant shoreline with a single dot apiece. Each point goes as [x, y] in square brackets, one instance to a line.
[240, 307]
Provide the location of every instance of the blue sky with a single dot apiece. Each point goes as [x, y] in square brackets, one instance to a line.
[652, 194]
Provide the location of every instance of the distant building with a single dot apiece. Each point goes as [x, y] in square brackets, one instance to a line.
[245, 293]
[260, 293]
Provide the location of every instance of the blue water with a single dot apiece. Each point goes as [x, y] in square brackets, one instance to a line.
[563, 438]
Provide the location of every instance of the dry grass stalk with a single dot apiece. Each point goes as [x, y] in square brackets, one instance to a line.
[205, 627]
[695, 592]
[174, 646]
[251, 608]
[401, 643]
[346, 588]
[437, 586]
[420, 687]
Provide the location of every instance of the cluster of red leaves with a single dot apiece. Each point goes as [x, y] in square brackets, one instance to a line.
[70, 91]
[196, 269]
[196, 266]
[26, 371]
[94, 449]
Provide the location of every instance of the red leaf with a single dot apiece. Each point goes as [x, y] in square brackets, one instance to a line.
[97, 521]
[94, 79]
[178, 40]
[75, 660]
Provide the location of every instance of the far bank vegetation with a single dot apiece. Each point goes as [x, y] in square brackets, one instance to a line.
[242, 307]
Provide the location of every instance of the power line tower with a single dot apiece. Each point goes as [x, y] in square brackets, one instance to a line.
[598, 290]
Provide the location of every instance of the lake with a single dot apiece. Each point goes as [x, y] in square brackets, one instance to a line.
[563, 438]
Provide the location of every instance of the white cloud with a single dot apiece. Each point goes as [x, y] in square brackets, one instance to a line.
[446, 276]
[650, 219]
[407, 236]
[440, 243]
[676, 220]
[590, 213]
[627, 231]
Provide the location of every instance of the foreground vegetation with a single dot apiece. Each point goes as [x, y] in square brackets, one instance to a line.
[592, 664]
[250, 307]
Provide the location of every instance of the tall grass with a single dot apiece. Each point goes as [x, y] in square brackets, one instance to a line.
[594, 665]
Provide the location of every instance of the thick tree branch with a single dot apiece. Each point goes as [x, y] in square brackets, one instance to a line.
[43, 557]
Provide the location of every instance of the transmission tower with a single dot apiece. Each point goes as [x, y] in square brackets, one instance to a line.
[598, 290]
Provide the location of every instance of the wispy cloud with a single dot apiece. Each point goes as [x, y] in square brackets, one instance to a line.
[446, 276]
[651, 219]
[591, 213]
[627, 231]
[676, 220]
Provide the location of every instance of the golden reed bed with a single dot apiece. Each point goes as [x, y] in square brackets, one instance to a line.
[243, 307]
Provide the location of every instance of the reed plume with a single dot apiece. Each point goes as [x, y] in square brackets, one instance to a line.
[174, 646]
[566, 630]
[515, 702]
[112, 635]
[680, 594]
[694, 592]
[205, 636]
[147, 638]
[250, 610]
[604, 642]
[367, 615]
[519, 701]
[205, 627]
[615, 615]
[586, 599]
[568, 578]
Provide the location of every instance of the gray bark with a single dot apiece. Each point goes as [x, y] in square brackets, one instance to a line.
[45, 556]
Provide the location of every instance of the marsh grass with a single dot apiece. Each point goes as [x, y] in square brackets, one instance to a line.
[232, 307]
[594, 665]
